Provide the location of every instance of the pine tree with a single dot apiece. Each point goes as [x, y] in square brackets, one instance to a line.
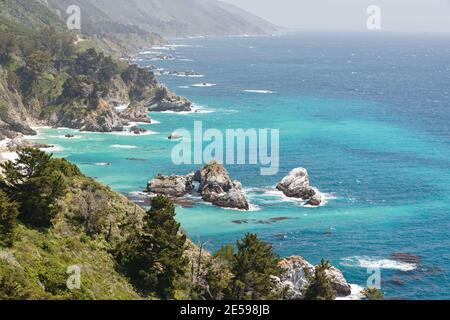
[320, 286]
[8, 220]
[154, 258]
[253, 266]
[35, 182]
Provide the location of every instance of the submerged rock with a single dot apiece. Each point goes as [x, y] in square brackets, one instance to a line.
[296, 185]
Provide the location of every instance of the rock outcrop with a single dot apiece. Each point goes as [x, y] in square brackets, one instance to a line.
[297, 274]
[296, 185]
[338, 282]
[13, 114]
[165, 100]
[172, 186]
[215, 186]
[103, 119]
[136, 112]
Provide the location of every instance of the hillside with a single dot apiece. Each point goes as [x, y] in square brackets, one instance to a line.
[176, 17]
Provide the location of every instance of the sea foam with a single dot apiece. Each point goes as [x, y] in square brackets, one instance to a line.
[377, 262]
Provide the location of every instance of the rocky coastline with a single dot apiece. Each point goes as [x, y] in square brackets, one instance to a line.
[298, 273]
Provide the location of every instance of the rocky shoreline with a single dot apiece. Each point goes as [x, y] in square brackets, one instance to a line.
[298, 274]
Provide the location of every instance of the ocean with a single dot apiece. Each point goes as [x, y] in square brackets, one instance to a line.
[367, 114]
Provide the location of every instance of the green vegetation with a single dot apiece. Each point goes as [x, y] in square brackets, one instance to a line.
[373, 294]
[8, 220]
[153, 257]
[252, 267]
[320, 286]
[36, 182]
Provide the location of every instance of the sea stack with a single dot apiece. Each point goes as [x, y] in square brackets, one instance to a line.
[215, 186]
[296, 185]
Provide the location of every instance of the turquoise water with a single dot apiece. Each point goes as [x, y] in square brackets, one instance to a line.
[367, 115]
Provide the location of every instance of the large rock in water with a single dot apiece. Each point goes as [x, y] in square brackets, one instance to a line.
[217, 187]
[296, 185]
[165, 100]
[297, 273]
[172, 186]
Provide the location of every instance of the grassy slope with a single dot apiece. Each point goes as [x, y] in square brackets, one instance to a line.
[35, 267]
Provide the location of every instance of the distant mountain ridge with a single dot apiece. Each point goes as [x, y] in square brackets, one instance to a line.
[185, 17]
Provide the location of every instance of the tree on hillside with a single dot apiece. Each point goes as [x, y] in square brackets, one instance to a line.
[8, 46]
[373, 294]
[253, 266]
[35, 182]
[8, 220]
[153, 258]
[320, 286]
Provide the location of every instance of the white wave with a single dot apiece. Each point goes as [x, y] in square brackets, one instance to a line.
[204, 85]
[102, 164]
[377, 262]
[181, 75]
[195, 110]
[63, 136]
[260, 91]
[55, 148]
[183, 87]
[277, 196]
[186, 60]
[149, 52]
[122, 146]
[162, 48]
[132, 134]
[252, 208]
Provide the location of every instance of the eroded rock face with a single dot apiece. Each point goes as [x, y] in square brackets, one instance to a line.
[103, 119]
[14, 118]
[296, 185]
[217, 187]
[136, 112]
[173, 186]
[297, 273]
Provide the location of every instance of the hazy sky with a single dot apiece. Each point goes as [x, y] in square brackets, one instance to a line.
[397, 15]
